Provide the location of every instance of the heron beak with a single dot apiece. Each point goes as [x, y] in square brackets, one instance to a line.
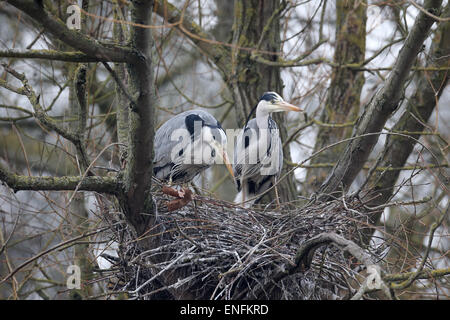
[285, 106]
[223, 154]
[227, 163]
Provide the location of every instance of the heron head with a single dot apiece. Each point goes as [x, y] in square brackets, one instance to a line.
[273, 102]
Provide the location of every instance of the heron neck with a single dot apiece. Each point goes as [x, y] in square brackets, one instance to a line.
[262, 119]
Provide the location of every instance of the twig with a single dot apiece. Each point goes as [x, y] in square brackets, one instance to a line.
[414, 276]
[163, 270]
[119, 83]
[27, 262]
[428, 13]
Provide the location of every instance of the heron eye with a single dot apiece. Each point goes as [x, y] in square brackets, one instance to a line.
[181, 152]
[214, 137]
[213, 153]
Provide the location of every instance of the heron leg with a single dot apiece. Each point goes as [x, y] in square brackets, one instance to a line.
[244, 185]
[276, 192]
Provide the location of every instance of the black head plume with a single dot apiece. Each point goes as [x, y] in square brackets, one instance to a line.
[267, 96]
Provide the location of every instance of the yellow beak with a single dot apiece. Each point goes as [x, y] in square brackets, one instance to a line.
[227, 163]
[223, 154]
[285, 106]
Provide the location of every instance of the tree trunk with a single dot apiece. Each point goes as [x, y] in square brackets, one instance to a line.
[342, 104]
[257, 26]
[141, 121]
[379, 109]
[418, 110]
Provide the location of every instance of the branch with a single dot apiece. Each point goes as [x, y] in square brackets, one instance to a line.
[138, 172]
[39, 112]
[109, 185]
[444, 19]
[372, 282]
[305, 254]
[343, 99]
[123, 97]
[413, 276]
[418, 110]
[120, 86]
[72, 56]
[77, 40]
[424, 274]
[82, 112]
[382, 105]
[43, 253]
[215, 50]
[15, 108]
[297, 62]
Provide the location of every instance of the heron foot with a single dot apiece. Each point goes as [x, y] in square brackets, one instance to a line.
[184, 197]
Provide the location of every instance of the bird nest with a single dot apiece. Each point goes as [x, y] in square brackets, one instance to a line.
[212, 249]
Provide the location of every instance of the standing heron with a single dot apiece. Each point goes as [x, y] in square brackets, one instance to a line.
[258, 152]
[187, 144]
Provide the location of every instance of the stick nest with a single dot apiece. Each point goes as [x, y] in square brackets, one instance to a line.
[211, 249]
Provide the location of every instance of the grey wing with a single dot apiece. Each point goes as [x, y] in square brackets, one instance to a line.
[272, 156]
[173, 137]
[280, 157]
[258, 158]
[168, 143]
[247, 162]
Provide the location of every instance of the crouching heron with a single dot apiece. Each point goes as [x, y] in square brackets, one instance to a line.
[184, 146]
[187, 144]
[258, 152]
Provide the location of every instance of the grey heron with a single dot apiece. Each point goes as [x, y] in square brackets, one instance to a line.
[258, 152]
[184, 146]
[187, 144]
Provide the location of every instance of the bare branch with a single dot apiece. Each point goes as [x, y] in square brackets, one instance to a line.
[72, 56]
[137, 177]
[414, 275]
[418, 110]
[344, 93]
[427, 12]
[77, 40]
[305, 253]
[59, 245]
[424, 274]
[213, 49]
[382, 105]
[39, 112]
[109, 185]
